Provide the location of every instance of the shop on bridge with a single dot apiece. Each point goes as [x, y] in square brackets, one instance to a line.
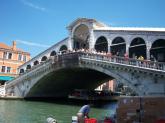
[118, 47]
[158, 50]
[137, 48]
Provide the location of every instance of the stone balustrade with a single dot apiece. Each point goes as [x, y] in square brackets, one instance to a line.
[157, 66]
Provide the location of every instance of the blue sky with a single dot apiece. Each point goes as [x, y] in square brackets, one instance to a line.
[38, 24]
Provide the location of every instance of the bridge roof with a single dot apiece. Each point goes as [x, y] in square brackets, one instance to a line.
[42, 53]
[89, 20]
[97, 25]
[150, 29]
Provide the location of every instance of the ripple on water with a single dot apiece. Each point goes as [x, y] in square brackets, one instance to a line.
[16, 111]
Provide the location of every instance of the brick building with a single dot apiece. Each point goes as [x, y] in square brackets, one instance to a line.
[110, 85]
[10, 59]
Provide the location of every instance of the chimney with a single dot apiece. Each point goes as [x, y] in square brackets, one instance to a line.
[14, 45]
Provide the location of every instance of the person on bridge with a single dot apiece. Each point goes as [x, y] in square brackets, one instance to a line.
[83, 113]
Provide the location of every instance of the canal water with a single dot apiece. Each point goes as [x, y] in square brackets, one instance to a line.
[20, 111]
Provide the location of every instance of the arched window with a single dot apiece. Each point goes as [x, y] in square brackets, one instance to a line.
[80, 37]
[28, 67]
[44, 58]
[63, 48]
[118, 46]
[21, 71]
[137, 48]
[158, 50]
[118, 40]
[101, 44]
[36, 62]
[53, 53]
[10, 56]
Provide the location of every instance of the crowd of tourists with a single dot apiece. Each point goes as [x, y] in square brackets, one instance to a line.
[138, 60]
[114, 54]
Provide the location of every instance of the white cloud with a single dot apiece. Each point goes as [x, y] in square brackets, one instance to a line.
[27, 3]
[32, 44]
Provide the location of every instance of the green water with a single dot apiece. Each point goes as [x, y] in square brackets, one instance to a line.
[18, 111]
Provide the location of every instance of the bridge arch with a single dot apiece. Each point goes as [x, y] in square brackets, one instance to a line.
[137, 48]
[118, 46]
[114, 75]
[44, 58]
[101, 44]
[83, 71]
[80, 37]
[53, 53]
[72, 78]
[158, 50]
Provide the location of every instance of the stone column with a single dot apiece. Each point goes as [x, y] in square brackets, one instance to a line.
[109, 47]
[91, 39]
[148, 47]
[70, 40]
[127, 49]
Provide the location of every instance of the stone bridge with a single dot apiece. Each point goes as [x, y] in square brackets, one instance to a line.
[54, 73]
[59, 75]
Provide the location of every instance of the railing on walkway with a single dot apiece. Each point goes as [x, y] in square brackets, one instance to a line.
[119, 60]
[126, 61]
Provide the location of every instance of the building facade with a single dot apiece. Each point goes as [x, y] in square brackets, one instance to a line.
[10, 59]
[110, 86]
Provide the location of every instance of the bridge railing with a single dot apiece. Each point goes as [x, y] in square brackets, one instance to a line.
[127, 61]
